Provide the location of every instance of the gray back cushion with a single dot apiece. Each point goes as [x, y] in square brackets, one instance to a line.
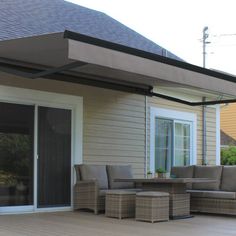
[183, 172]
[228, 182]
[97, 172]
[212, 172]
[119, 172]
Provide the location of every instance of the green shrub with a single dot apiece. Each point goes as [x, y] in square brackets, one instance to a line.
[160, 170]
[228, 156]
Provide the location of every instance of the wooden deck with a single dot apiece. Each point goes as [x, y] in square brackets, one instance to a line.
[88, 224]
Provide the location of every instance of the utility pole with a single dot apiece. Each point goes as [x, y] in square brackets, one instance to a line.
[204, 42]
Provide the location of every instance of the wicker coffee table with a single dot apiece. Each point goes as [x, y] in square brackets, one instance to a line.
[176, 187]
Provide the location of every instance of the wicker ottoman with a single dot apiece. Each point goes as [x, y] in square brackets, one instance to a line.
[152, 206]
[120, 204]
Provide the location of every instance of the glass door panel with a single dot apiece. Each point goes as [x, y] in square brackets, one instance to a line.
[163, 143]
[182, 144]
[16, 154]
[54, 162]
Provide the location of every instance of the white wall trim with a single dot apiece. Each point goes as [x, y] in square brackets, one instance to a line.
[217, 134]
[56, 100]
[175, 115]
[54, 209]
[30, 209]
[16, 209]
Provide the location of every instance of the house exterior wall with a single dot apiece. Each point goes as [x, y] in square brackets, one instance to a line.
[114, 122]
[228, 119]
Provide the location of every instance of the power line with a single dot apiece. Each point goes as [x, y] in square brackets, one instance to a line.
[223, 35]
[223, 45]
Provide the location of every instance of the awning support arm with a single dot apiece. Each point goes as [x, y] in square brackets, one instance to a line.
[173, 99]
[5, 66]
[51, 71]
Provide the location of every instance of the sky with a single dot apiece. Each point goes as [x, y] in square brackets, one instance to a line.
[177, 25]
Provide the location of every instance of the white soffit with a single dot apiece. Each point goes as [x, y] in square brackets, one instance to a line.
[117, 60]
[45, 50]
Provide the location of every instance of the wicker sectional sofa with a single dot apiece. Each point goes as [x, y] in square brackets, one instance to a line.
[94, 181]
[218, 197]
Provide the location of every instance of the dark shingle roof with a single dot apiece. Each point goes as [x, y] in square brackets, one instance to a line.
[24, 18]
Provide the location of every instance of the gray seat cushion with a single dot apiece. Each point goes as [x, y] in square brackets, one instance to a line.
[212, 194]
[120, 192]
[183, 172]
[97, 172]
[212, 172]
[103, 192]
[119, 172]
[152, 194]
[228, 181]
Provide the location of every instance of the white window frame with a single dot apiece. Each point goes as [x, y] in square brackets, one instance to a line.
[56, 100]
[173, 115]
[191, 136]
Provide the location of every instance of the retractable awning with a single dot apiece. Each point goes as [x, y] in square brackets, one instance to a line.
[77, 58]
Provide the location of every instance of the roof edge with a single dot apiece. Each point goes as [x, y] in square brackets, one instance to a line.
[147, 55]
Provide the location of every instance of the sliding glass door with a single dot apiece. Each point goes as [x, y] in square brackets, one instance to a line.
[16, 155]
[20, 185]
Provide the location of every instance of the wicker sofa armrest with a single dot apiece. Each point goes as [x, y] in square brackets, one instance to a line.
[89, 187]
[87, 182]
[86, 195]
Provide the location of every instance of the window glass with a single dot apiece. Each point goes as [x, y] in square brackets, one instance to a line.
[164, 143]
[172, 143]
[16, 154]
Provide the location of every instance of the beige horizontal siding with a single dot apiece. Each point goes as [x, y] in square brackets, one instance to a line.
[127, 142]
[114, 159]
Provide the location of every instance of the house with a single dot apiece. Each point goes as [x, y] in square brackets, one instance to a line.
[76, 86]
[226, 140]
[228, 125]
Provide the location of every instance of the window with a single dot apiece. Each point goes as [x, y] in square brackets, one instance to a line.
[173, 138]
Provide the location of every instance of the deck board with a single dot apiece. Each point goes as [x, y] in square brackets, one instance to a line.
[88, 224]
